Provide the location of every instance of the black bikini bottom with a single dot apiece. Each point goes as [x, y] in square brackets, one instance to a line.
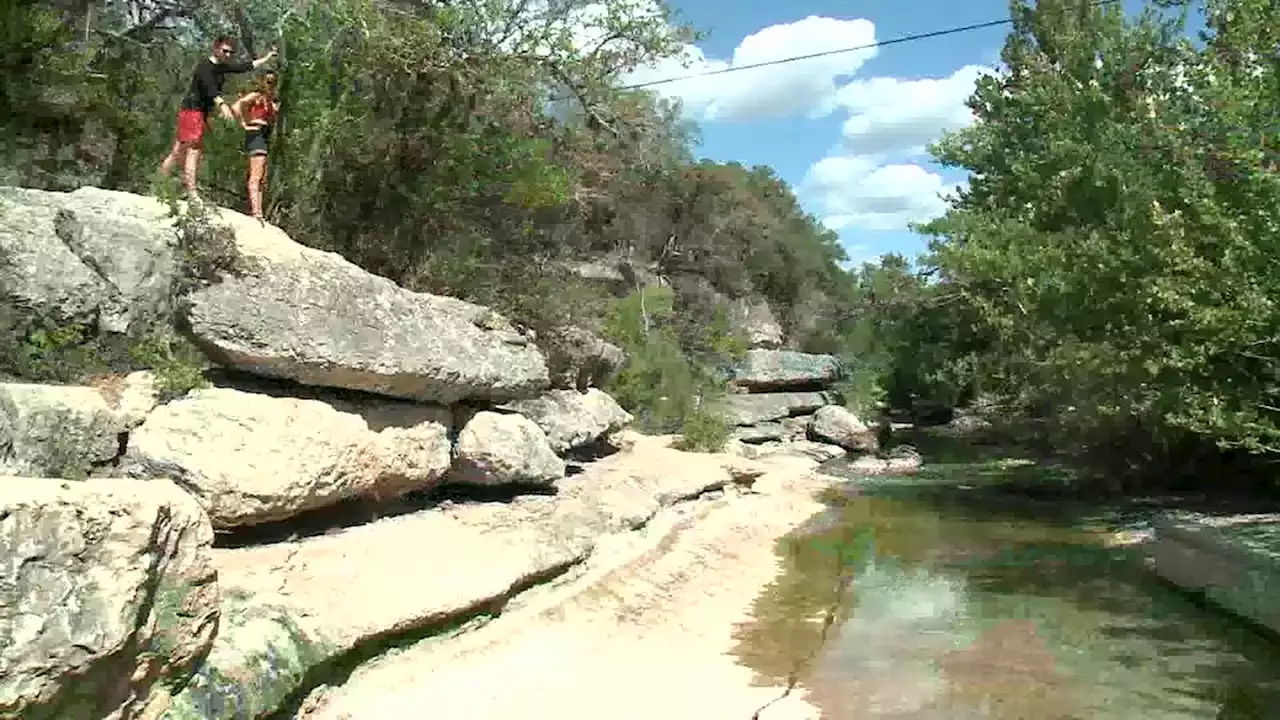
[257, 142]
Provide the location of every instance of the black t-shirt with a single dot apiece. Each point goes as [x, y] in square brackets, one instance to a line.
[206, 83]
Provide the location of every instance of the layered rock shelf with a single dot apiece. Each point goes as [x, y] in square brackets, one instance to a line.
[363, 464]
[788, 400]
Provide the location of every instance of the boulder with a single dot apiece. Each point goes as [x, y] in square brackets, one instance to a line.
[97, 257]
[424, 569]
[259, 658]
[55, 430]
[796, 427]
[570, 418]
[106, 259]
[312, 317]
[838, 425]
[763, 407]
[108, 588]
[756, 319]
[760, 432]
[252, 458]
[498, 449]
[820, 452]
[578, 359]
[132, 396]
[770, 370]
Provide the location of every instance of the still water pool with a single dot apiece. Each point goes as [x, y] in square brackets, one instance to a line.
[914, 601]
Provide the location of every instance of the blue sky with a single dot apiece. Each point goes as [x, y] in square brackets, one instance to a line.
[846, 131]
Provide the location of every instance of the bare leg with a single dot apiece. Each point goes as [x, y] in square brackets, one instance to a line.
[190, 168]
[175, 156]
[257, 180]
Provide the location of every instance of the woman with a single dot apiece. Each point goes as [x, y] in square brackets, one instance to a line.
[257, 112]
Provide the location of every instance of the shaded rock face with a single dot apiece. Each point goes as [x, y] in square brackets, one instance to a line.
[578, 359]
[572, 419]
[774, 370]
[259, 657]
[502, 449]
[253, 458]
[108, 588]
[55, 431]
[312, 317]
[97, 257]
[841, 427]
[766, 431]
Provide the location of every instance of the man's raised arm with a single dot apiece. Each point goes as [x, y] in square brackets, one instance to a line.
[246, 66]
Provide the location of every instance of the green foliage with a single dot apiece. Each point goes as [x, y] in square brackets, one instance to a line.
[703, 431]
[177, 364]
[661, 385]
[1110, 266]
[73, 353]
[50, 352]
[206, 249]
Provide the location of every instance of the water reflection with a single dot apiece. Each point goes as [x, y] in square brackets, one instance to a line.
[940, 613]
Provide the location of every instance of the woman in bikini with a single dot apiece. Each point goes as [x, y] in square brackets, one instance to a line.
[257, 111]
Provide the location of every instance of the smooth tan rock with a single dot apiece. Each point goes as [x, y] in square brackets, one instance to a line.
[571, 418]
[252, 458]
[840, 426]
[500, 449]
[401, 573]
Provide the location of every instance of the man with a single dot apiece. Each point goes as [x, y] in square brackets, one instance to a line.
[203, 97]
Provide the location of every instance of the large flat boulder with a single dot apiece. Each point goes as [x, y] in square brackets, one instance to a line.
[253, 458]
[107, 588]
[312, 317]
[770, 370]
[407, 572]
[763, 407]
[97, 257]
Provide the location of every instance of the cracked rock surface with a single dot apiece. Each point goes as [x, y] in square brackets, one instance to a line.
[645, 631]
[106, 588]
[94, 256]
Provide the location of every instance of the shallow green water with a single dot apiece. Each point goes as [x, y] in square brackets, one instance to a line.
[949, 608]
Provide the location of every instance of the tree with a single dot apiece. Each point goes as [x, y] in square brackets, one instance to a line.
[1119, 232]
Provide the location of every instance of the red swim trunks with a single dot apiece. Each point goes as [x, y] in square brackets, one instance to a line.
[190, 126]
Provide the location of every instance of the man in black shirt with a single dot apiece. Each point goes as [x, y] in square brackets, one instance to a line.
[202, 98]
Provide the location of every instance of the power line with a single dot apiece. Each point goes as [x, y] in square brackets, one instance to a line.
[841, 51]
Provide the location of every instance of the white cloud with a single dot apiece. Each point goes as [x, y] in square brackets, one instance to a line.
[857, 192]
[866, 182]
[888, 115]
[804, 87]
[871, 179]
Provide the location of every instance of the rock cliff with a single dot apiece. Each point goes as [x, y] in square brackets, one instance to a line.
[205, 555]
